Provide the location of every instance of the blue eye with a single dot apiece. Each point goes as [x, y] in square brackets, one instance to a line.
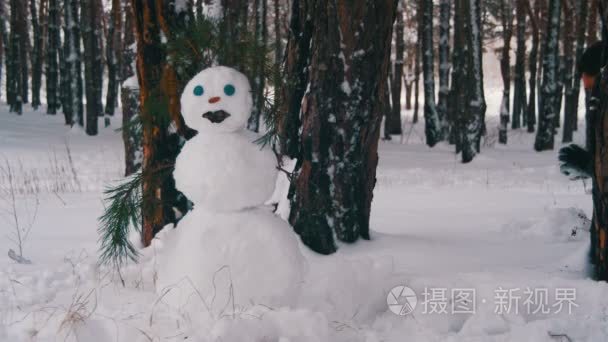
[199, 90]
[229, 90]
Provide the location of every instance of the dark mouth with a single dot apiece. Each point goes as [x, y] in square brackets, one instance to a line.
[216, 116]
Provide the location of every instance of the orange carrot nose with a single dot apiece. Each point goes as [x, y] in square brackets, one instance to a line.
[214, 99]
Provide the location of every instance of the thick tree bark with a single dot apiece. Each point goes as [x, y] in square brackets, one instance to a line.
[341, 115]
[568, 45]
[545, 134]
[433, 123]
[533, 64]
[505, 69]
[393, 120]
[519, 96]
[159, 95]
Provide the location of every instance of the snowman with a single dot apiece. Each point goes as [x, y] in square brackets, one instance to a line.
[229, 250]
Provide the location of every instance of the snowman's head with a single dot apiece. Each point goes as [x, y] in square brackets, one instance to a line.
[218, 99]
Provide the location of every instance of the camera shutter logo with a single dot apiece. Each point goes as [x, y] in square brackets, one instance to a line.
[401, 300]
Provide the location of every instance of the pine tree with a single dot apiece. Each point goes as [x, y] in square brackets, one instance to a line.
[547, 110]
[458, 95]
[505, 68]
[433, 127]
[3, 38]
[258, 81]
[341, 115]
[519, 96]
[16, 58]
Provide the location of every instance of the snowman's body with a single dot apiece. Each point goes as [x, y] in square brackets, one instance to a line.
[229, 248]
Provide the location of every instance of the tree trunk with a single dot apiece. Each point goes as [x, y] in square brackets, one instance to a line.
[581, 24]
[156, 20]
[417, 74]
[519, 96]
[17, 68]
[52, 58]
[393, 120]
[24, 43]
[593, 24]
[91, 64]
[72, 54]
[568, 45]
[457, 92]
[132, 132]
[533, 63]
[341, 115]
[433, 125]
[474, 120]
[37, 51]
[545, 134]
[444, 62]
[258, 77]
[113, 50]
[598, 111]
[505, 69]
[3, 38]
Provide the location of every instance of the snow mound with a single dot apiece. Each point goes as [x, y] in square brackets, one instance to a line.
[227, 261]
[561, 224]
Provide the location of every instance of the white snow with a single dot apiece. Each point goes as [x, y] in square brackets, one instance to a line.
[501, 223]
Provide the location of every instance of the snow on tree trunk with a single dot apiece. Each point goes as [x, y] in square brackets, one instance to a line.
[593, 24]
[131, 133]
[73, 106]
[547, 110]
[519, 96]
[345, 47]
[445, 11]
[505, 69]
[457, 99]
[433, 127]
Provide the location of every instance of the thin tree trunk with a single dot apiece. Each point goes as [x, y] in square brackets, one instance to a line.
[444, 61]
[505, 69]
[131, 133]
[474, 120]
[37, 51]
[581, 24]
[545, 134]
[3, 39]
[72, 54]
[258, 84]
[91, 64]
[533, 64]
[519, 96]
[393, 120]
[113, 50]
[433, 125]
[568, 45]
[593, 23]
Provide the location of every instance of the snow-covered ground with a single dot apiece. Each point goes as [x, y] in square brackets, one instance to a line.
[499, 229]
